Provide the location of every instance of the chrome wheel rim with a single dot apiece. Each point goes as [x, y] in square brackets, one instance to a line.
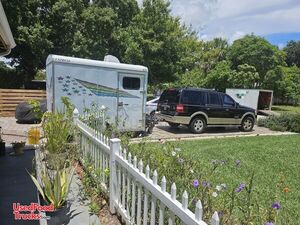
[198, 125]
[247, 124]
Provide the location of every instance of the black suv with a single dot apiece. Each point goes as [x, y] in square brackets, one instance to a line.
[201, 108]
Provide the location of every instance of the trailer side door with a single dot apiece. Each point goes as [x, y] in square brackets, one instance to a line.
[131, 93]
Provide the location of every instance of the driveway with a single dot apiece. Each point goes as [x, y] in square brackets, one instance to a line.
[12, 131]
[163, 131]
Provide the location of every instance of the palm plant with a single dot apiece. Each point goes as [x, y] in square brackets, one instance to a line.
[54, 186]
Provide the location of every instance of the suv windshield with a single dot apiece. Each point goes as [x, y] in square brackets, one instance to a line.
[170, 96]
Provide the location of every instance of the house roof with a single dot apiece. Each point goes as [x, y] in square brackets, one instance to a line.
[7, 41]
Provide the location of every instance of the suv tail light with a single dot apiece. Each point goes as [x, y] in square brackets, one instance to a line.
[179, 108]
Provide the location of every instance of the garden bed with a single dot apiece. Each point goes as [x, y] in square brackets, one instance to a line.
[251, 180]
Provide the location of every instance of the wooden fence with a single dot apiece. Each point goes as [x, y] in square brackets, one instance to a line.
[133, 191]
[10, 98]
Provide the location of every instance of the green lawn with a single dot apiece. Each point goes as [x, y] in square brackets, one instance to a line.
[286, 108]
[274, 161]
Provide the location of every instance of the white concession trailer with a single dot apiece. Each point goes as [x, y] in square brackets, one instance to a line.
[121, 88]
[257, 99]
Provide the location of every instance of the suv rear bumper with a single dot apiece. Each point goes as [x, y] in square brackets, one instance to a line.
[174, 119]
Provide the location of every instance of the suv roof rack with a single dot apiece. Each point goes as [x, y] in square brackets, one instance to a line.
[197, 88]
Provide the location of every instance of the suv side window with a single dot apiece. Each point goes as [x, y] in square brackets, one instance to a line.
[192, 97]
[170, 96]
[228, 101]
[214, 99]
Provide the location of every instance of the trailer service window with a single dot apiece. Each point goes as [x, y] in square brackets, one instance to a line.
[131, 83]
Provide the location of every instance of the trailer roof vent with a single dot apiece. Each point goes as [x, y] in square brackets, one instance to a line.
[111, 58]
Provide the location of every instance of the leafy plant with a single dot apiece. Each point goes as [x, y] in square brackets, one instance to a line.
[283, 122]
[36, 108]
[55, 185]
[68, 107]
[57, 132]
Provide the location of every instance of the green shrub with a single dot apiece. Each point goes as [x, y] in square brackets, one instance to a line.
[10, 77]
[57, 132]
[284, 122]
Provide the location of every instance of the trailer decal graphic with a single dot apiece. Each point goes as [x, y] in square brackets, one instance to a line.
[101, 90]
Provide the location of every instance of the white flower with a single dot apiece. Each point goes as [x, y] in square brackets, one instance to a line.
[191, 170]
[218, 188]
[224, 186]
[173, 153]
[215, 194]
[177, 149]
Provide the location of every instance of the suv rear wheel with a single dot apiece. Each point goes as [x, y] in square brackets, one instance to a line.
[247, 124]
[198, 125]
[173, 125]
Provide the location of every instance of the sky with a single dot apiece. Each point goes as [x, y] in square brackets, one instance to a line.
[276, 20]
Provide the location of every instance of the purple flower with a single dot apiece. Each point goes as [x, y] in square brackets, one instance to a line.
[276, 205]
[196, 183]
[206, 184]
[269, 223]
[238, 162]
[214, 162]
[240, 188]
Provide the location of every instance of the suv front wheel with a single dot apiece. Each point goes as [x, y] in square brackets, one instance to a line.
[247, 124]
[198, 125]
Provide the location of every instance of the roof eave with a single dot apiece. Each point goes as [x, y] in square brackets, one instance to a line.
[5, 33]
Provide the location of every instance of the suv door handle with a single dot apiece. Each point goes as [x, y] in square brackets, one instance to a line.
[207, 108]
[227, 110]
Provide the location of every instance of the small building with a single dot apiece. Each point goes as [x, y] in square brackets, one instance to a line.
[257, 99]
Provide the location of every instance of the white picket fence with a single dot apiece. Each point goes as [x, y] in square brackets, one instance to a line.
[133, 190]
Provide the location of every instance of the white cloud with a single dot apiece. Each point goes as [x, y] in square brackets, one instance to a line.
[233, 19]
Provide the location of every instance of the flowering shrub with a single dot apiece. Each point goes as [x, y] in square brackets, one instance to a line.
[237, 201]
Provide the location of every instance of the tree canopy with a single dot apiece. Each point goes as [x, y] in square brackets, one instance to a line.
[148, 35]
[292, 51]
[257, 52]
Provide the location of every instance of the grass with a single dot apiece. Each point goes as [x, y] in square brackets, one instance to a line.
[286, 108]
[274, 161]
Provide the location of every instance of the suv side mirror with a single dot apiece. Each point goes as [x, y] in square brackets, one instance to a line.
[237, 105]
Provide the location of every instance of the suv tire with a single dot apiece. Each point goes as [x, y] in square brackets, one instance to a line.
[173, 125]
[197, 125]
[247, 124]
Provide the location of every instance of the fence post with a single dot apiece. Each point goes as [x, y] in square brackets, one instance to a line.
[115, 145]
[75, 115]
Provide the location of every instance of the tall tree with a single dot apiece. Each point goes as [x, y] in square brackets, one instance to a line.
[94, 34]
[153, 39]
[246, 77]
[255, 51]
[41, 27]
[285, 81]
[219, 77]
[292, 50]
[125, 10]
[67, 27]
